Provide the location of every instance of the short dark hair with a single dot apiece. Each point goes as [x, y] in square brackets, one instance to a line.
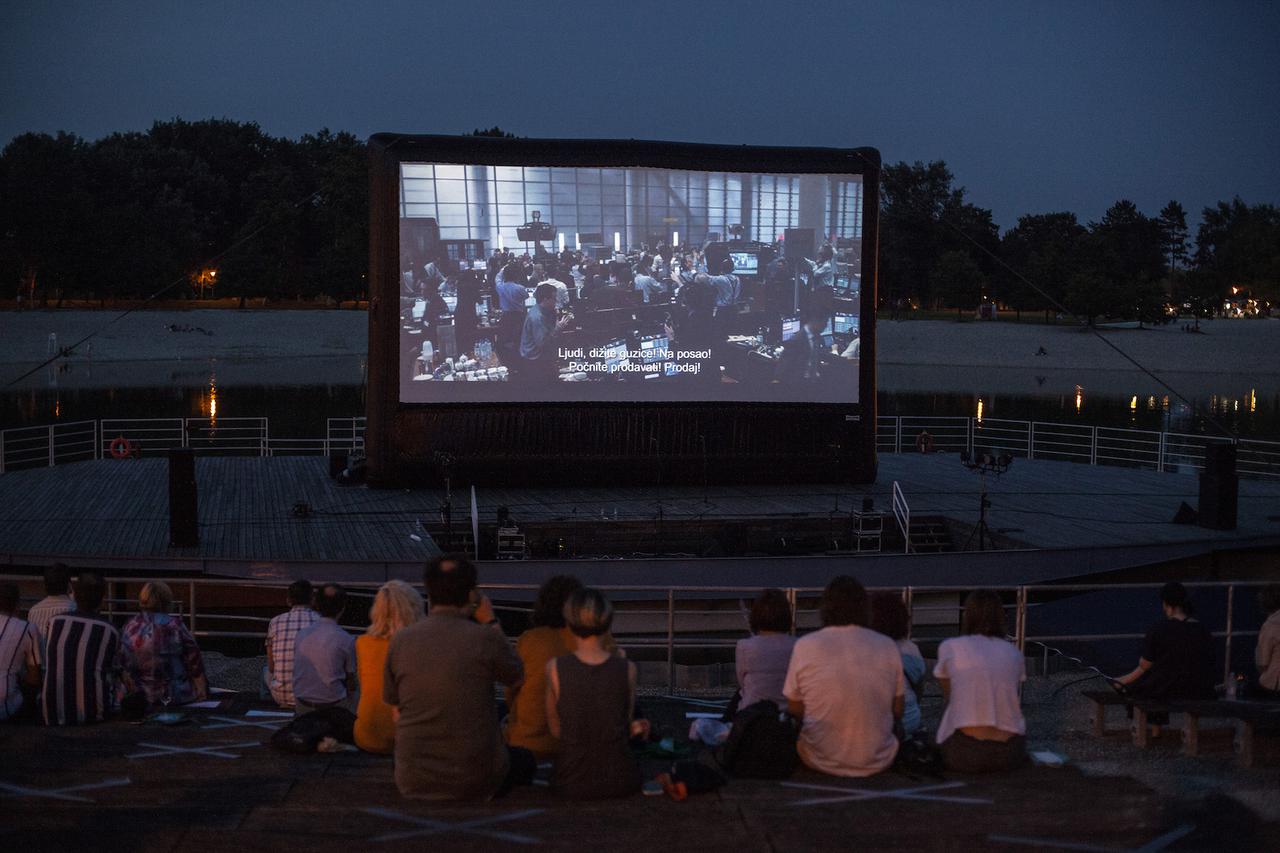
[451, 587]
[90, 590]
[331, 600]
[8, 597]
[1174, 594]
[844, 602]
[771, 611]
[548, 607]
[983, 614]
[1269, 598]
[57, 579]
[726, 266]
[300, 592]
[889, 615]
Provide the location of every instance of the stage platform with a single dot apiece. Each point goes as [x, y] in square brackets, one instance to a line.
[1053, 520]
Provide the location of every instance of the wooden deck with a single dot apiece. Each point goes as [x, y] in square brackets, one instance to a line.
[79, 789]
[116, 511]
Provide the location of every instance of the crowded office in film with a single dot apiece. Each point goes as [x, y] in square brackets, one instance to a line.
[528, 284]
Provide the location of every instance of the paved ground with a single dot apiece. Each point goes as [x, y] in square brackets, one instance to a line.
[80, 789]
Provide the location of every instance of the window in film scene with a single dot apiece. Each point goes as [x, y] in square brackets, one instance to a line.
[533, 283]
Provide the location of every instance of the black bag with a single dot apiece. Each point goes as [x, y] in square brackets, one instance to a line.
[303, 734]
[761, 744]
[919, 754]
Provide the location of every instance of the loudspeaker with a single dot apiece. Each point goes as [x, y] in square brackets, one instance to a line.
[798, 243]
[183, 530]
[1219, 487]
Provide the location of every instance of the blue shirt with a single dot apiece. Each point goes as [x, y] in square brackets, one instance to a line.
[323, 656]
[511, 296]
[727, 288]
[538, 328]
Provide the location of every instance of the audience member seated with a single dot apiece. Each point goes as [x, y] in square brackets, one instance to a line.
[1267, 656]
[57, 599]
[547, 640]
[80, 677]
[158, 656]
[324, 659]
[21, 670]
[282, 638]
[761, 660]
[395, 607]
[889, 616]
[982, 729]
[439, 679]
[1177, 657]
[590, 696]
[845, 685]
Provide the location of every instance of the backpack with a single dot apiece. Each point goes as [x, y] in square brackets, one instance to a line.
[303, 734]
[762, 743]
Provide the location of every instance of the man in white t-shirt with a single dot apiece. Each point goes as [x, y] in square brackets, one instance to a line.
[845, 684]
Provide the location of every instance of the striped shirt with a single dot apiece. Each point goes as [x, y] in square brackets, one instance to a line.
[42, 613]
[282, 635]
[17, 655]
[80, 677]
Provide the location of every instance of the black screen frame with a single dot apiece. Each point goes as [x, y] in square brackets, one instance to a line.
[405, 441]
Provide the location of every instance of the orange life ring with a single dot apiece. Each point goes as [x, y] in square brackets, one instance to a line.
[924, 443]
[121, 448]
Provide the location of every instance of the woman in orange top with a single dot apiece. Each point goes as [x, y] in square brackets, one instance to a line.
[396, 606]
[546, 640]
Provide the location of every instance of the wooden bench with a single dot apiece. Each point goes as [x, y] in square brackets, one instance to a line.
[1103, 699]
[1250, 719]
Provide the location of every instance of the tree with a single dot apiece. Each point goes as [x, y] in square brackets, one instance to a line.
[1047, 249]
[1239, 246]
[922, 217]
[1129, 259]
[1173, 235]
[957, 279]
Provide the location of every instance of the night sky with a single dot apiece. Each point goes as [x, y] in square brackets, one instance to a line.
[1034, 107]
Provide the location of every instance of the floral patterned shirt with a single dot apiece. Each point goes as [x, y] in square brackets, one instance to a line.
[158, 654]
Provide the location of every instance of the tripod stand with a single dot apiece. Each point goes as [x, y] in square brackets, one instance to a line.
[983, 463]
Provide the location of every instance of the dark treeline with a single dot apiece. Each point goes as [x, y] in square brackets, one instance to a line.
[124, 216]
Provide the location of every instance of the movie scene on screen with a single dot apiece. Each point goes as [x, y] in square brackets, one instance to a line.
[535, 284]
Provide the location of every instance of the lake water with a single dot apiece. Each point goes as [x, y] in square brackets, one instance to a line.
[299, 407]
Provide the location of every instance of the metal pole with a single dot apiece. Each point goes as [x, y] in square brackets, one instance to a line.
[51, 445]
[2, 451]
[191, 603]
[791, 602]
[1226, 662]
[1093, 447]
[671, 641]
[1160, 458]
[1031, 439]
[1020, 635]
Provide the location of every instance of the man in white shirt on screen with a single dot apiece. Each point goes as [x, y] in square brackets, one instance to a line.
[845, 684]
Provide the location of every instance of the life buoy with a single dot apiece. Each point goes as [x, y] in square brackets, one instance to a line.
[121, 447]
[924, 443]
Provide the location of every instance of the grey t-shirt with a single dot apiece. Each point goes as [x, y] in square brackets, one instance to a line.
[761, 662]
[440, 672]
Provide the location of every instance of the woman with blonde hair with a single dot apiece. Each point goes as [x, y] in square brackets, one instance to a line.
[396, 605]
[158, 657]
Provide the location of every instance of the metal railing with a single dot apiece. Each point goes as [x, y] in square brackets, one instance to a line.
[902, 514]
[1093, 445]
[45, 446]
[40, 446]
[673, 619]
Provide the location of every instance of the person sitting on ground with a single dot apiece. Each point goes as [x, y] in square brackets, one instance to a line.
[395, 607]
[80, 676]
[590, 696]
[439, 680]
[21, 670]
[324, 658]
[282, 637]
[982, 729]
[845, 685]
[889, 616]
[158, 656]
[1267, 655]
[548, 639]
[761, 660]
[1177, 657]
[57, 600]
